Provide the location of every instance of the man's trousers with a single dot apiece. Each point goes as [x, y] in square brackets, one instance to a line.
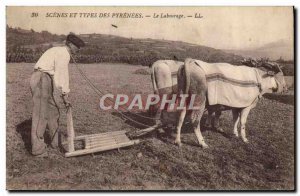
[45, 112]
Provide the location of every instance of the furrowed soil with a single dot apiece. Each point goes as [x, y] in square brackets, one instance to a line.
[266, 163]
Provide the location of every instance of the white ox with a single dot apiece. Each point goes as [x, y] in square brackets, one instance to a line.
[192, 79]
[164, 81]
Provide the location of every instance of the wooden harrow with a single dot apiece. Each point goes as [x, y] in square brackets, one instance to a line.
[99, 142]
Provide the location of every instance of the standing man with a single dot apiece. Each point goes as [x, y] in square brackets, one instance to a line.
[51, 71]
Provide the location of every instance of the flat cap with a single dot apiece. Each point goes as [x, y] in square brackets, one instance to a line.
[75, 40]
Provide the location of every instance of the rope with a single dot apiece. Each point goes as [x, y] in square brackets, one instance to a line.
[100, 93]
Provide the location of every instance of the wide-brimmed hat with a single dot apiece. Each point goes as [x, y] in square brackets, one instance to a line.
[75, 40]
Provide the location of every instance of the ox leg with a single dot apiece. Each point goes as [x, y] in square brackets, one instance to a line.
[181, 86]
[158, 113]
[157, 117]
[200, 137]
[235, 119]
[196, 117]
[179, 125]
[244, 115]
[217, 121]
[158, 120]
[209, 117]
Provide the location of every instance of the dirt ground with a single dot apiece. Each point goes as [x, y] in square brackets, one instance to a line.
[266, 163]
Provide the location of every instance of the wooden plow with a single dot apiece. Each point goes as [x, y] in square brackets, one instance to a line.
[99, 142]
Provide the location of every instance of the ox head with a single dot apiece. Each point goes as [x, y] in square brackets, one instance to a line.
[273, 69]
[280, 81]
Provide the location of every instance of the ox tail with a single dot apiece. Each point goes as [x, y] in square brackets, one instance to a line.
[187, 71]
[153, 78]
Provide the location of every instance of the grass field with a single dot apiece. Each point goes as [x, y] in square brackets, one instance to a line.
[267, 162]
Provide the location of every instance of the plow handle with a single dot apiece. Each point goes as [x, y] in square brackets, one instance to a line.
[70, 130]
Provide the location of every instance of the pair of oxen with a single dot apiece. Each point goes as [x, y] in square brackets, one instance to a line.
[193, 77]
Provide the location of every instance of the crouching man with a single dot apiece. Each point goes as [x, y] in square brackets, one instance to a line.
[51, 71]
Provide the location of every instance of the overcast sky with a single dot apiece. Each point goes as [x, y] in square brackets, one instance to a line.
[220, 27]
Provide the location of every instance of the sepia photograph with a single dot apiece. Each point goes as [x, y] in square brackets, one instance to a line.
[150, 98]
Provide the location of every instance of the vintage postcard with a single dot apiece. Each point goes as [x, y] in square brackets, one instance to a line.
[150, 98]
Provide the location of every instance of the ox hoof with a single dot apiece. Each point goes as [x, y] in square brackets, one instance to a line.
[245, 140]
[204, 146]
[178, 143]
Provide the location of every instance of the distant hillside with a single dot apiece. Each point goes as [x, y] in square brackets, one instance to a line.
[27, 46]
[275, 50]
[17, 37]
